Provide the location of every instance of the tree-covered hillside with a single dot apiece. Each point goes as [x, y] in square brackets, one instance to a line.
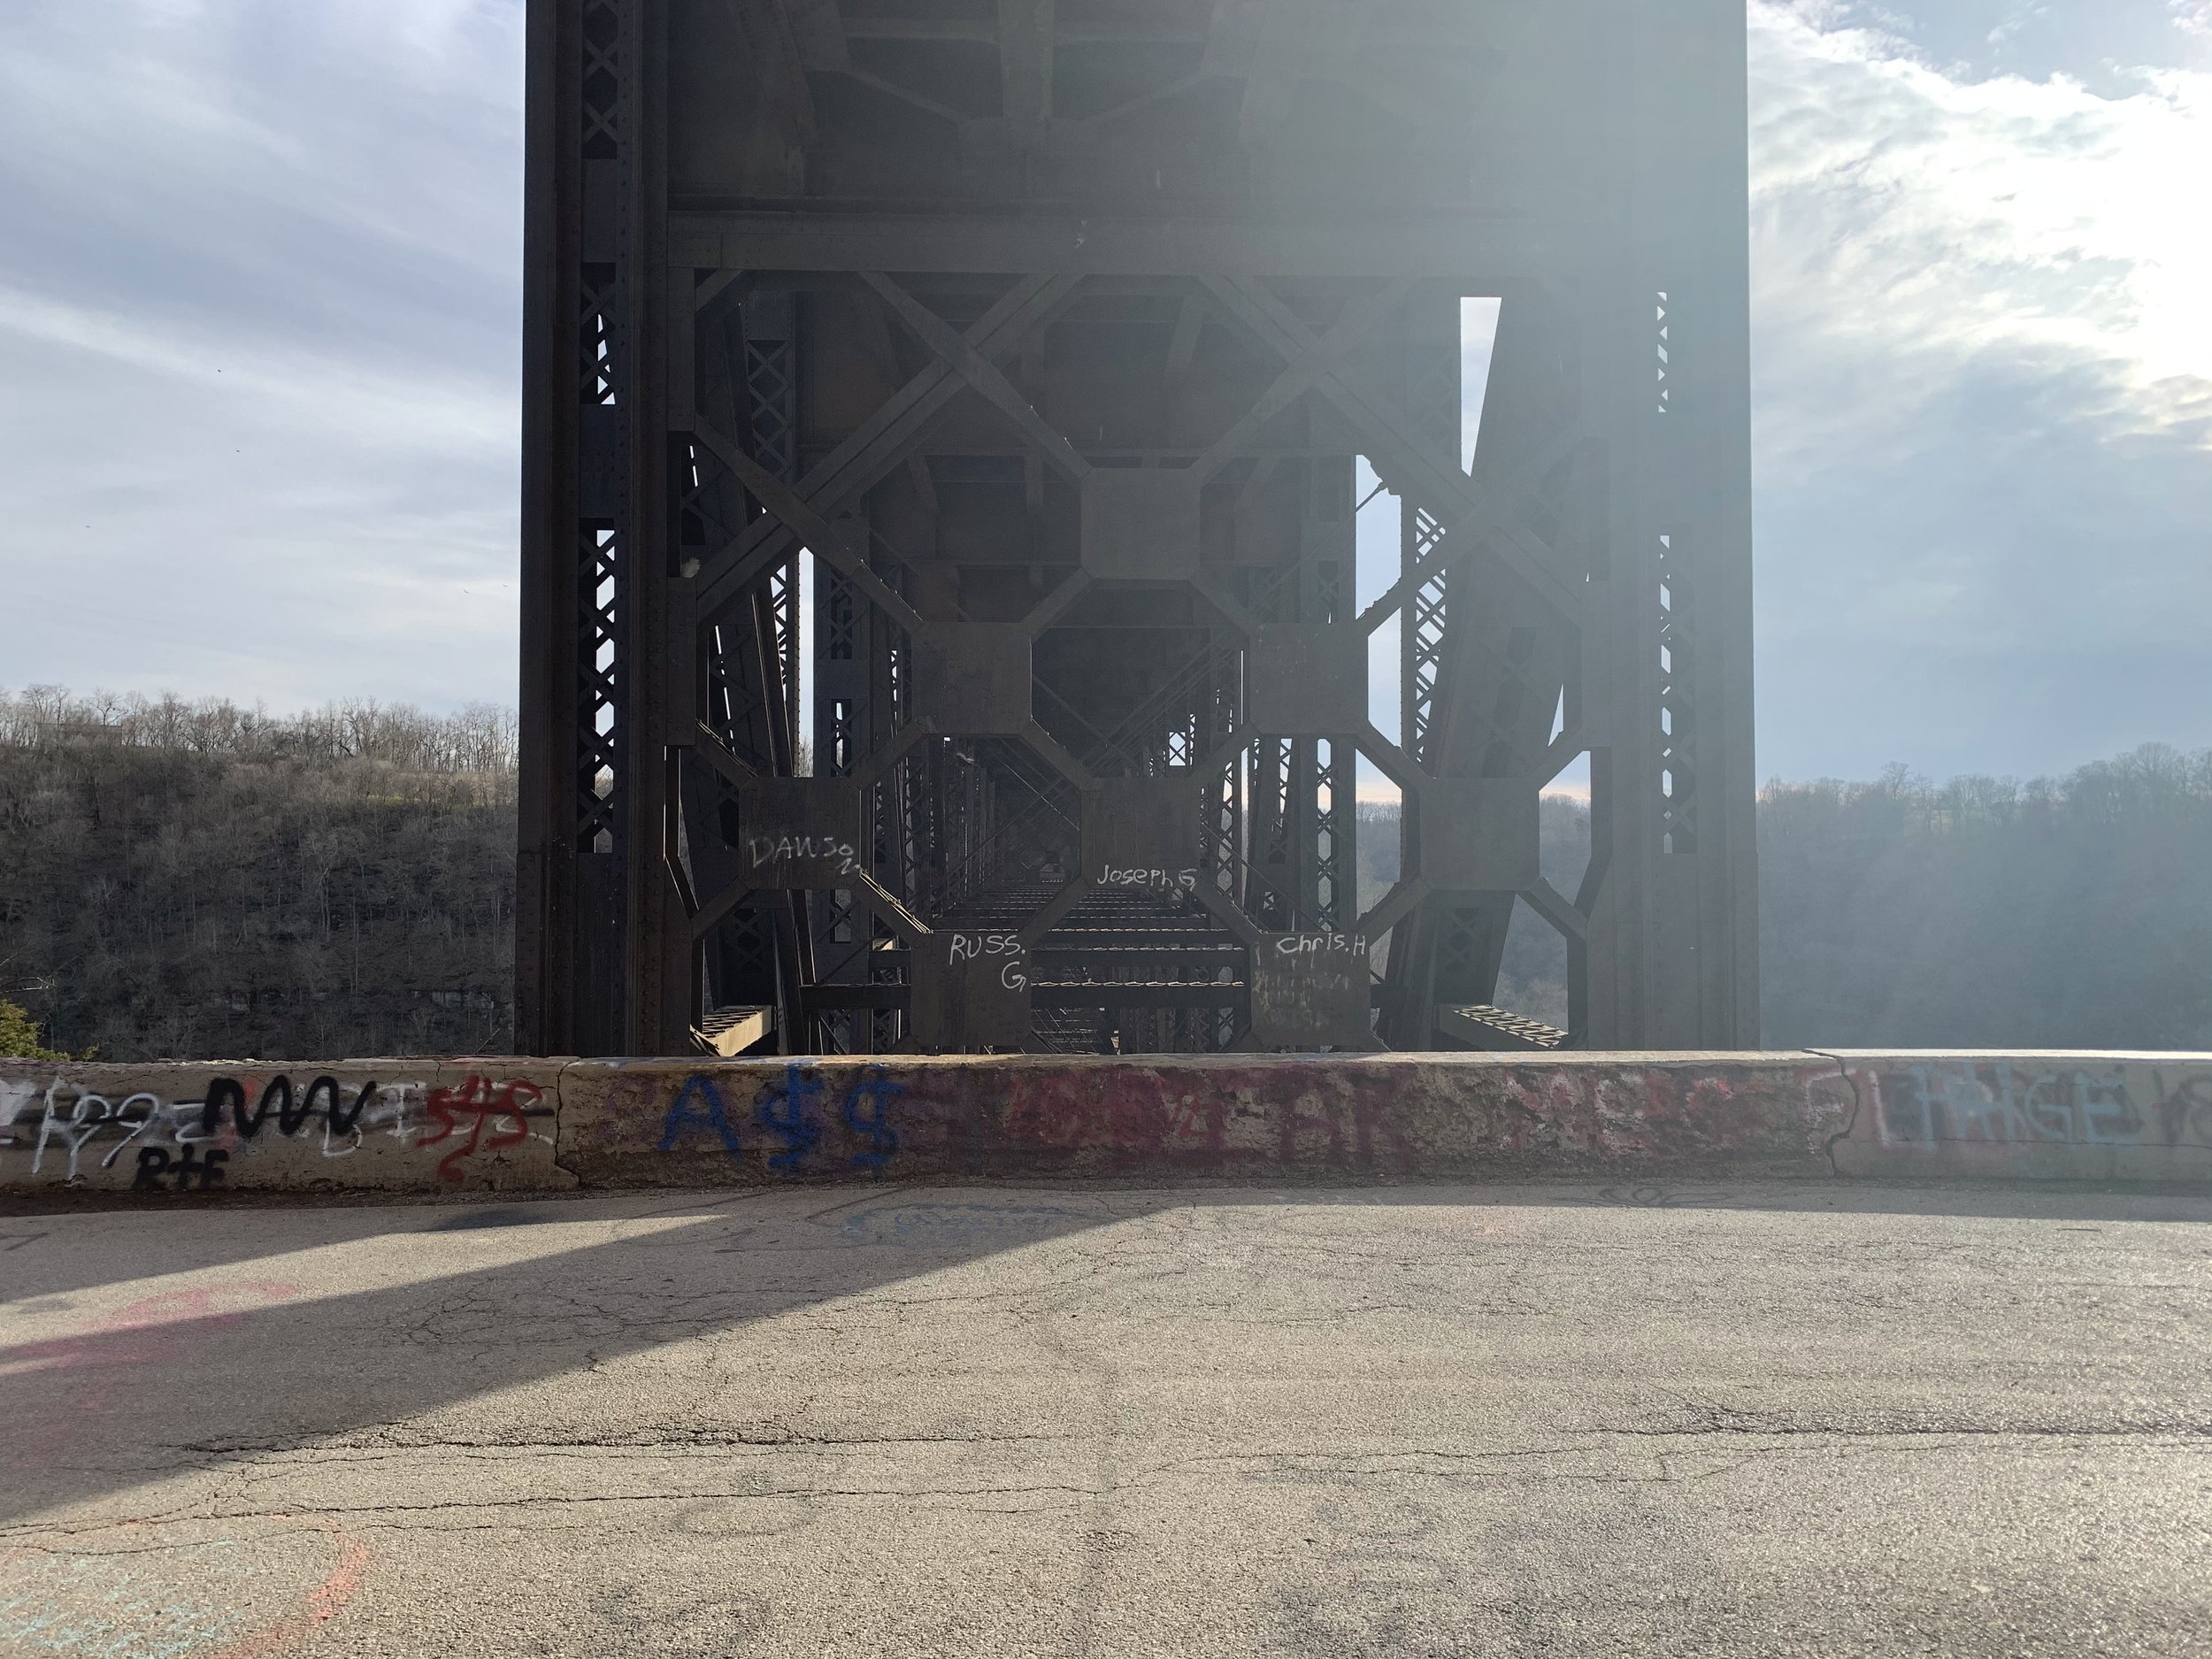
[200, 880]
[2061, 913]
[1989, 913]
[195, 880]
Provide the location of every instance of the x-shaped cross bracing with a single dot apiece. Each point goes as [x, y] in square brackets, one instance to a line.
[1315, 362]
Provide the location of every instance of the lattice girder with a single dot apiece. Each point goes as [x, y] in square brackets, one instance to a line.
[982, 445]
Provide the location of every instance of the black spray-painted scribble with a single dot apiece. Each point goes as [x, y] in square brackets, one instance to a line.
[71, 1125]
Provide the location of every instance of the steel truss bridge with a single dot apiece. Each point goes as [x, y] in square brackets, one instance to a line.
[1057, 337]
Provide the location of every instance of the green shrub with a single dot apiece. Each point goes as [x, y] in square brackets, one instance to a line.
[18, 1037]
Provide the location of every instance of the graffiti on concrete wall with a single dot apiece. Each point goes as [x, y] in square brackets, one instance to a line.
[1635, 1111]
[801, 1120]
[787, 1119]
[1131, 1115]
[2017, 1102]
[427, 1125]
[175, 1144]
[501, 1109]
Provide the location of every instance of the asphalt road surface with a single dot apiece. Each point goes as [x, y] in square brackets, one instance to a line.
[1683, 1420]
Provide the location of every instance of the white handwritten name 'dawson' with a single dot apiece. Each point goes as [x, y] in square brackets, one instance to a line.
[784, 848]
[1321, 944]
[1164, 881]
[976, 947]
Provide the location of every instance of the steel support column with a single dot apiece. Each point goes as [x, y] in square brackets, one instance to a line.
[1057, 374]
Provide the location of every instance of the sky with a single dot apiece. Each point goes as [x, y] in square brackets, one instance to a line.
[259, 314]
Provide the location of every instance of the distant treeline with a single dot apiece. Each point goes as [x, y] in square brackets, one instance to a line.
[2061, 913]
[2065, 913]
[195, 880]
[480, 739]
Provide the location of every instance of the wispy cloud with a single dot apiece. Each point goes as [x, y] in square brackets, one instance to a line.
[1984, 405]
[259, 315]
[1962, 217]
[258, 329]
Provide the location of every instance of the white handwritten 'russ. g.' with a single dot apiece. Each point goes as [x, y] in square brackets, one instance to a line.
[969, 947]
[977, 946]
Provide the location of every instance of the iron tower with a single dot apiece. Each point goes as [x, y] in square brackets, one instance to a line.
[945, 422]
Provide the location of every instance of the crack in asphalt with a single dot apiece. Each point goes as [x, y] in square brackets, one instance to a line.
[353, 1448]
[1521, 1466]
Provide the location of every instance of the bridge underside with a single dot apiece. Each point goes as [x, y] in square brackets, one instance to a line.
[952, 429]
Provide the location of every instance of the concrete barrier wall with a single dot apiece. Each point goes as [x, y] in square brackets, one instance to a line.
[2029, 1117]
[1267, 1118]
[409, 1126]
[505, 1124]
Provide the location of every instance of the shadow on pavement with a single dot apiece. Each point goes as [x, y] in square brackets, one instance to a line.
[189, 1377]
[294, 1349]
